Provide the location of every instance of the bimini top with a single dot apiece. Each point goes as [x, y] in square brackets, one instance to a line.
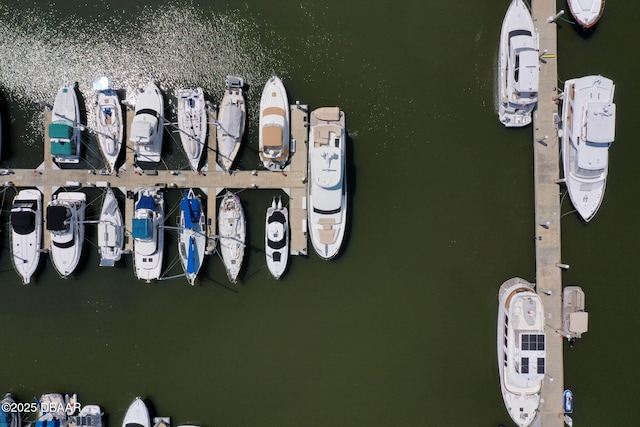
[142, 228]
[56, 218]
[60, 130]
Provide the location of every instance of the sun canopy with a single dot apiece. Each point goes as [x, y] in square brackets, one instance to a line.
[56, 217]
[142, 228]
[23, 222]
[60, 130]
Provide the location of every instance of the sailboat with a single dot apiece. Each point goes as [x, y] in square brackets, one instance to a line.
[148, 234]
[65, 222]
[192, 238]
[232, 231]
[110, 230]
[232, 115]
[26, 232]
[277, 238]
[109, 123]
[65, 128]
[192, 123]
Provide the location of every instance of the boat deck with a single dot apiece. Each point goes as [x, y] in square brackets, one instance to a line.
[547, 214]
[49, 177]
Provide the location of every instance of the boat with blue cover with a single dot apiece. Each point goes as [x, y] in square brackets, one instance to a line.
[192, 238]
[9, 418]
[567, 401]
[52, 410]
[65, 129]
[148, 234]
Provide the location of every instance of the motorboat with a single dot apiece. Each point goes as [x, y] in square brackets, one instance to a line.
[65, 223]
[588, 130]
[232, 234]
[148, 234]
[52, 410]
[274, 127]
[192, 237]
[232, 114]
[110, 230]
[137, 415]
[521, 343]
[575, 320]
[277, 238]
[26, 233]
[65, 129]
[148, 124]
[88, 416]
[586, 12]
[109, 122]
[192, 123]
[327, 198]
[567, 401]
[9, 414]
[518, 67]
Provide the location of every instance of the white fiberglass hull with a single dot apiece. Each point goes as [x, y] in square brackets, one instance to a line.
[66, 245]
[66, 111]
[277, 239]
[586, 12]
[585, 162]
[232, 232]
[517, 67]
[137, 415]
[147, 128]
[109, 126]
[110, 230]
[148, 248]
[192, 124]
[192, 238]
[231, 123]
[327, 198]
[26, 233]
[274, 127]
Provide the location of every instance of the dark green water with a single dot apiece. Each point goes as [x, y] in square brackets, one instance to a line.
[400, 330]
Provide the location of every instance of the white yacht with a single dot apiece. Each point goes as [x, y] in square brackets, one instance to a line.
[232, 114]
[274, 127]
[192, 237]
[232, 234]
[277, 238]
[148, 234]
[521, 349]
[588, 130]
[327, 196]
[9, 418]
[192, 123]
[586, 12]
[65, 222]
[137, 415]
[147, 128]
[64, 131]
[26, 233]
[110, 230]
[518, 67]
[109, 122]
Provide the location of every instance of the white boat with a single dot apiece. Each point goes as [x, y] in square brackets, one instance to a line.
[110, 230]
[65, 223]
[518, 68]
[9, 415]
[277, 238]
[137, 415]
[274, 127]
[192, 123]
[147, 127]
[327, 196]
[161, 422]
[26, 233]
[588, 130]
[65, 128]
[521, 345]
[232, 114]
[89, 416]
[586, 12]
[148, 234]
[109, 122]
[232, 234]
[52, 410]
[192, 237]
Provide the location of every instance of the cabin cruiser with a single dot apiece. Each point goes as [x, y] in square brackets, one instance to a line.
[192, 123]
[65, 223]
[232, 114]
[588, 131]
[148, 124]
[518, 68]
[521, 345]
[277, 238]
[137, 415]
[327, 196]
[26, 232]
[65, 129]
[274, 127]
[148, 234]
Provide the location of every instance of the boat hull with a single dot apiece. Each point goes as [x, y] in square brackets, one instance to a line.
[586, 13]
[232, 232]
[64, 131]
[147, 128]
[192, 124]
[110, 230]
[231, 123]
[137, 414]
[26, 233]
[192, 238]
[109, 126]
[277, 239]
[148, 235]
[274, 128]
[67, 244]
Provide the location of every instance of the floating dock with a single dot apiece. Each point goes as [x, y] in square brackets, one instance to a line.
[549, 264]
[49, 177]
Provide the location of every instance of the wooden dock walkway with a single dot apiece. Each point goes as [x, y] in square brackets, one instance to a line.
[49, 177]
[547, 214]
